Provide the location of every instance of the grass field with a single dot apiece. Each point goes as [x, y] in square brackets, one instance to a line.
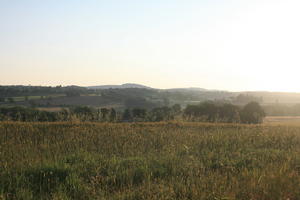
[149, 161]
[283, 120]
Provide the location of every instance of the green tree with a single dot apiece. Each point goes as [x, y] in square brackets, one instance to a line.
[229, 113]
[112, 115]
[83, 113]
[104, 114]
[161, 114]
[206, 111]
[127, 116]
[252, 113]
[139, 114]
[176, 109]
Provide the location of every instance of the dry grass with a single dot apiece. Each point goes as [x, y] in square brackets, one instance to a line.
[282, 120]
[149, 161]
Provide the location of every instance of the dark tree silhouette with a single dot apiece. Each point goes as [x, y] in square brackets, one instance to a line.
[127, 116]
[252, 113]
[139, 114]
[112, 115]
[104, 113]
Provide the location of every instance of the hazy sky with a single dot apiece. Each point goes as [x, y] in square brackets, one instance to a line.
[214, 44]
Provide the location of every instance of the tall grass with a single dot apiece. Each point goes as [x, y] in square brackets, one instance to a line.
[148, 161]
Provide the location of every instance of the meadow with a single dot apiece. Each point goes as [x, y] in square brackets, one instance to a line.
[149, 161]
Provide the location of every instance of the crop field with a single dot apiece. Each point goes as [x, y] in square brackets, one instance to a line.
[149, 161]
[283, 120]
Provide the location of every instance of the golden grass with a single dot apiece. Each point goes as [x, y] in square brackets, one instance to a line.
[149, 161]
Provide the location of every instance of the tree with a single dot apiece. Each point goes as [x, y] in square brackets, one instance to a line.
[112, 115]
[209, 110]
[84, 113]
[139, 114]
[161, 114]
[82, 110]
[229, 113]
[252, 113]
[63, 115]
[127, 116]
[176, 109]
[104, 113]
[206, 111]
[191, 112]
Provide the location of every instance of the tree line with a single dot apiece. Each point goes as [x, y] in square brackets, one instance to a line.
[19, 90]
[251, 113]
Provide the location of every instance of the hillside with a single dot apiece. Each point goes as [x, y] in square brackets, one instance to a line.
[127, 95]
[123, 86]
[135, 95]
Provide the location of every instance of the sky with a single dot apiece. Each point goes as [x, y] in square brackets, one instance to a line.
[234, 45]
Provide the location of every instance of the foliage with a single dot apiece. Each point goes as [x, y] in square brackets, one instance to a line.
[205, 112]
[252, 113]
[246, 98]
[112, 115]
[282, 110]
[127, 115]
[12, 91]
[212, 112]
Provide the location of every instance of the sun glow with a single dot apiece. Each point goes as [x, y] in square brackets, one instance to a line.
[230, 45]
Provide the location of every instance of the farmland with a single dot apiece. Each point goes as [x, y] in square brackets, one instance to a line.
[148, 161]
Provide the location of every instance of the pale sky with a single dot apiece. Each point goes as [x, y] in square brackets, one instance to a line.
[216, 44]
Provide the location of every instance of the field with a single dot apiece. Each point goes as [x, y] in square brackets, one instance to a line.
[282, 120]
[149, 161]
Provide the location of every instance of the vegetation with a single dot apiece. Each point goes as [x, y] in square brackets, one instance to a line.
[148, 161]
[13, 91]
[282, 110]
[205, 112]
[251, 113]
[119, 97]
[274, 104]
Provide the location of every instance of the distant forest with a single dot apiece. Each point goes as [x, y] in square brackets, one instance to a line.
[251, 113]
[66, 98]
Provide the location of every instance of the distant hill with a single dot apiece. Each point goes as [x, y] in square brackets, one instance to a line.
[123, 86]
[133, 85]
[132, 95]
[275, 97]
[188, 89]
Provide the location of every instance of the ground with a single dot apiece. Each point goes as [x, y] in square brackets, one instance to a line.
[149, 161]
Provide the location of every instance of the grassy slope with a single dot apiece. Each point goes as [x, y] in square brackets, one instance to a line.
[148, 161]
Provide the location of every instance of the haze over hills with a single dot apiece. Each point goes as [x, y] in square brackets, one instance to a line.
[135, 85]
[126, 85]
[135, 95]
